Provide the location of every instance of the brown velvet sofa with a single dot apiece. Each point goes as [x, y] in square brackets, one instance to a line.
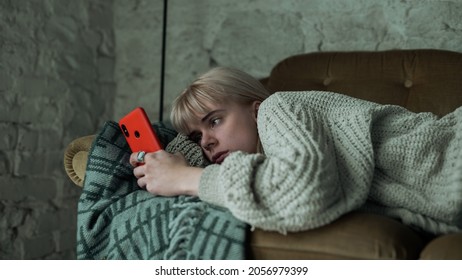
[420, 80]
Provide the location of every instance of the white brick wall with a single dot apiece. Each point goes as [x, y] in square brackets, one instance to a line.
[56, 83]
[254, 35]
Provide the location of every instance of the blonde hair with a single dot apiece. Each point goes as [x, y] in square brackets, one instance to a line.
[218, 86]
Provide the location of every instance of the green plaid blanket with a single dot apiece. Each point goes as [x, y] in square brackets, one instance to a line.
[118, 220]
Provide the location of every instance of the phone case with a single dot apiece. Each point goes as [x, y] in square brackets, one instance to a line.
[138, 132]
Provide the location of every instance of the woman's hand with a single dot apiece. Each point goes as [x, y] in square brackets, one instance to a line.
[166, 174]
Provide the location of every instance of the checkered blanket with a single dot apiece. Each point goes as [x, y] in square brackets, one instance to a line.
[118, 220]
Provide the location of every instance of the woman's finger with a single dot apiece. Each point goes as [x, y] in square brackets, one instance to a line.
[139, 171]
[134, 159]
[141, 182]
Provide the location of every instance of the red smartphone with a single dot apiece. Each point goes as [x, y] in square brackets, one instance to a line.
[138, 132]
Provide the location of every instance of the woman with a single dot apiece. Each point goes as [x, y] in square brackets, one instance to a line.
[297, 161]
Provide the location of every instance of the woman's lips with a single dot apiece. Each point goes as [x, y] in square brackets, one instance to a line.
[220, 157]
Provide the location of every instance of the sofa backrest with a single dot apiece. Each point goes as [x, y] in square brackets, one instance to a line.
[420, 80]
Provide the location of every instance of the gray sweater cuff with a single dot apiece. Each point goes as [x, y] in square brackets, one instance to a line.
[209, 188]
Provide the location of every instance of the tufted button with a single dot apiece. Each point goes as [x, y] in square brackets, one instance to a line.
[327, 81]
[407, 83]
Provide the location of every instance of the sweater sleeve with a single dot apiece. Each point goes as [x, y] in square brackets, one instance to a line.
[295, 186]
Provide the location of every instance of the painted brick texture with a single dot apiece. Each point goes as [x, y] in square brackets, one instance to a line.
[56, 84]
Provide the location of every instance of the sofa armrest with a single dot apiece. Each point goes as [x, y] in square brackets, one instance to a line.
[76, 157]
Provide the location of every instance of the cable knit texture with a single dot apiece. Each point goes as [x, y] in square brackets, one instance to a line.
[327, 154]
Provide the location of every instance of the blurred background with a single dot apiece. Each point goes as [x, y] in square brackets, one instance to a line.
[68, 66]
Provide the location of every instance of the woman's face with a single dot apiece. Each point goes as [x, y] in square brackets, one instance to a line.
[226, 128]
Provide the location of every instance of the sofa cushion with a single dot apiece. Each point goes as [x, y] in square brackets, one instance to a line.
[409, 78]
[353, 236]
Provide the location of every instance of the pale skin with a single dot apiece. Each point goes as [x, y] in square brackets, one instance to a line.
[225, 128]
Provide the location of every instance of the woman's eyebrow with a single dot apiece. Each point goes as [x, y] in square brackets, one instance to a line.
[209, 114]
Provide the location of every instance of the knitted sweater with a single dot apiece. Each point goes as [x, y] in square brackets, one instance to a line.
[327, 154]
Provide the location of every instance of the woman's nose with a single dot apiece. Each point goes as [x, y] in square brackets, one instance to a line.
[207, 141]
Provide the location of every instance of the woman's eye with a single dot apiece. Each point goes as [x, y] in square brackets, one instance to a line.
[214, 122]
